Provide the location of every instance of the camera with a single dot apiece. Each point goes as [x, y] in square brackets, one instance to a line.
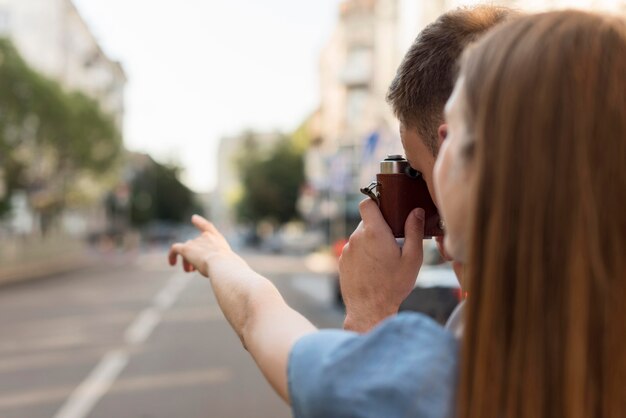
[398, 190]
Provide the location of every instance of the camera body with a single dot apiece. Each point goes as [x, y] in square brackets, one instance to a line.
[399, 190]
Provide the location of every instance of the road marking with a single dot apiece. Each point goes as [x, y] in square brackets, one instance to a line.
[141, 328]
[25, 362]
[191, 378]
[97, 384]
[170, 293]
[50, 343]
[82, 401]
[172, 380]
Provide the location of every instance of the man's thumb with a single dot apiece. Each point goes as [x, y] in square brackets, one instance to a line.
[414, 233]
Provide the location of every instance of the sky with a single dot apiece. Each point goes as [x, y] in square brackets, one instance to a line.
[200, 70]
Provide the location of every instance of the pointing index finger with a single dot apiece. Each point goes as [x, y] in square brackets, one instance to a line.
[201, 223]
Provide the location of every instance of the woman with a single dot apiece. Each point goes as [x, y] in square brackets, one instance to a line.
[537, 126]
[536, 158]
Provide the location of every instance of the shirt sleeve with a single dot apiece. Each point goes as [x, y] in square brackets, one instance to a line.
[405, 367]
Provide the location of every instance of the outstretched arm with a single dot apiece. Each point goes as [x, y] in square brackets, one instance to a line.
[266, 325]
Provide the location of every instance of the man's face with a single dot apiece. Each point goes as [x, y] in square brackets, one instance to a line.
[418, 154]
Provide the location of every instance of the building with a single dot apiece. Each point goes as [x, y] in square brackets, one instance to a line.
[55, 40]
[541, 5]
[357, 127]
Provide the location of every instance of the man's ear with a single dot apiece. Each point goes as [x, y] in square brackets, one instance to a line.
[442, 133]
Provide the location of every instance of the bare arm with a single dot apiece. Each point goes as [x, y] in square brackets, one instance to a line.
[266, 325]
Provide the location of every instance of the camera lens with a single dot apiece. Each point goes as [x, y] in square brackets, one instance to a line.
[412, 172]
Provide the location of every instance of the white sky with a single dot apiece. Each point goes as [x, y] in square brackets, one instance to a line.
[201, 69]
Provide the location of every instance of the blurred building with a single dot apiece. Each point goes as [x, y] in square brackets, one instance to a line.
[540, 5]
[55, 40]
[357, 127]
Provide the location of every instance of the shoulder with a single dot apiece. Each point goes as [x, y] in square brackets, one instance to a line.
[405, 365]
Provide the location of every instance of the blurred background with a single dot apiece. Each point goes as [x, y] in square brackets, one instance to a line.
[120, 119]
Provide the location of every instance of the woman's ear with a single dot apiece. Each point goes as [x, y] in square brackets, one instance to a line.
[442, 133]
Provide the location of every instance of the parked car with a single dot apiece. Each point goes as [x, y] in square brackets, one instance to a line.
[436, 293]
[292, 239]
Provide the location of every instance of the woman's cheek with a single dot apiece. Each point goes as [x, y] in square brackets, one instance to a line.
[450, 198]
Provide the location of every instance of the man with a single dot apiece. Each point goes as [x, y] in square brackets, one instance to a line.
[407, 365]
[375, 275]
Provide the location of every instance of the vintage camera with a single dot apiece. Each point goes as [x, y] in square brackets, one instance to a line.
[398, 190]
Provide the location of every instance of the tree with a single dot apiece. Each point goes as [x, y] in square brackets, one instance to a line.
[158, 195]
[48, 136]
[271, 182]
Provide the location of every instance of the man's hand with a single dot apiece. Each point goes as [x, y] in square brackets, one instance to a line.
[199, 252]
[375, 274]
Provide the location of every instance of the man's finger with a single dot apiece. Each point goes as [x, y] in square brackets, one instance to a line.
[202, 224]
[370, 212]
[414, 233]
[187, 266]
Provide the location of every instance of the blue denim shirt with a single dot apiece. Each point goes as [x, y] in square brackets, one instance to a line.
[405, 367]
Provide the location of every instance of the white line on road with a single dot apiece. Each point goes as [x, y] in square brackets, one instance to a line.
[97, 384]
[82, 401]
[170, 293]
[139, 331]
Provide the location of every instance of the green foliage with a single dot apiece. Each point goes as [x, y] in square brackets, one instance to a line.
[92, 141]
[271, 181]
[39, 120]
[301, 138]
[157, 194]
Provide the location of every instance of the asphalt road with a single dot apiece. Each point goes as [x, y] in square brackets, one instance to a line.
[134, 338]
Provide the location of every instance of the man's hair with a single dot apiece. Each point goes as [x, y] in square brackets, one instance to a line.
[426, 77]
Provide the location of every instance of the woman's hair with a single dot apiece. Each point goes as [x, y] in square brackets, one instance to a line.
[545, 332]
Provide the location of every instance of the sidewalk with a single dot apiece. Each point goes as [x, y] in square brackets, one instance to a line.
[23, 259]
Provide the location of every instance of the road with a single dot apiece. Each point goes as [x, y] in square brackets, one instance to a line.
[134, 338]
